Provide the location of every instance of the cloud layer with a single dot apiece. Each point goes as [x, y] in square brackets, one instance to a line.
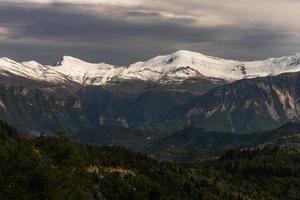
[121, 32]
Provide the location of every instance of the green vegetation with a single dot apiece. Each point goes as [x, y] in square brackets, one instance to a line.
[196, 144]
[58, 168]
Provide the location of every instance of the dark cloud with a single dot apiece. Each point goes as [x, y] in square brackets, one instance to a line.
[48, 32]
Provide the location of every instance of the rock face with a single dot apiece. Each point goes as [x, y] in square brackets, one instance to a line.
[46, 108]
[246, 105]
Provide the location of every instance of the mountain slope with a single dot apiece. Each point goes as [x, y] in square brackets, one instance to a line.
[185, 64]
[244, 106]
[43, 108]
[30, 70]
[112, 136]
[86, 73]
[197, 144]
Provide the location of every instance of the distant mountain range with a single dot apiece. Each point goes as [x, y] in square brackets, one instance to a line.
[163, 95]
[175, 68]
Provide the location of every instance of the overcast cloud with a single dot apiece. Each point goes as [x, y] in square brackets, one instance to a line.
[122, 32]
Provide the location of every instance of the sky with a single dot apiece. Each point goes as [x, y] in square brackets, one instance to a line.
[126, 31]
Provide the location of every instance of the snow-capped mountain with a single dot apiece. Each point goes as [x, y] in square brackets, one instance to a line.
[30, 70]
[86, 73]
[179, 66]
[185, 64]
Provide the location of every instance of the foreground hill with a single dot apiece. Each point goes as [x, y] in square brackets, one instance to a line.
[132, 139]
[198, 144]
[57, 168]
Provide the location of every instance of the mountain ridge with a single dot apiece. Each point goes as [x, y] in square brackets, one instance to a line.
[164, 69]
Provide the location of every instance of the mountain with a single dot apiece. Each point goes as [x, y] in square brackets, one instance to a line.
[194, 143]
[86, 73]
[30, 70]
[243, 106]
[287, 136]
[183, 65]
[163, 94]
[44, 108]
[177, 67]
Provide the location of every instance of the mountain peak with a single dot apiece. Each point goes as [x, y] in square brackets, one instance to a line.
[5, 59]
[68, 60]
[32, 63]
[297, 54]
[183, 52]
[186, 53]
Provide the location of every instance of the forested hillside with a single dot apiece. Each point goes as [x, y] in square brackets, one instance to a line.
[58, 168]
[194, 143]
